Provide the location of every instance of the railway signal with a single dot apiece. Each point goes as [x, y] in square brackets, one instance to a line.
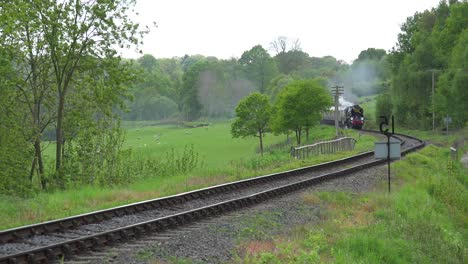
[337, 91]
[387, 150]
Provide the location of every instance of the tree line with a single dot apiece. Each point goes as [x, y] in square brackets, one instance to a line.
[64, 86]
[191, 87]
[429, 68]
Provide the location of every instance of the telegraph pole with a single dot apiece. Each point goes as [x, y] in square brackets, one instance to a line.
[433, 104]
[337, 91]
[433, 95]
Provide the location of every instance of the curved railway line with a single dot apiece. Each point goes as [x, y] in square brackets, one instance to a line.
[49, 241]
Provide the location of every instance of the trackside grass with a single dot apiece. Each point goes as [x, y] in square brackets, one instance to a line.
[423, 220]
[220, 159]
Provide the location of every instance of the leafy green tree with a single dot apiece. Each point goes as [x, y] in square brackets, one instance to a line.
[291, 61]
[15, 150]
[383, 106]
[253, 115]
[300, 106]
[371, 54]
[277, 84]
[258, 66]
[191, 106]
[67, 59]
[452, 92]
[425, 47]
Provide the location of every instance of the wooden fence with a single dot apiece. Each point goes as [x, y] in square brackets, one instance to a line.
[326, 147]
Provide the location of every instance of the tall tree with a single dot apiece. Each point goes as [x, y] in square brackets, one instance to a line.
[258, 66]
[191, 106]
[65, 46]
[299, 106]
[253, 116]
[284, 44]
[15, 147]
[25, 37]
[424, 52]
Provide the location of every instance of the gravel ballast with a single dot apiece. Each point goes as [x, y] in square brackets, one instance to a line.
[214, 240]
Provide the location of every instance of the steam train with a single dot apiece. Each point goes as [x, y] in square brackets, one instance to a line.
[354, 117]
[350, 117]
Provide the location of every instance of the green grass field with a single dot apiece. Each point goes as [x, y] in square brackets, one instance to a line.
[224, 159]
[214, 143]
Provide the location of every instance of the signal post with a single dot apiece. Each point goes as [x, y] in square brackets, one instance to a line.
[337, 91]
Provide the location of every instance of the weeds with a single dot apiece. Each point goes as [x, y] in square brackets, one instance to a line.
[422, 221]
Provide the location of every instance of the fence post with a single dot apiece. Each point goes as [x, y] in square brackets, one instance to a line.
[453, 153]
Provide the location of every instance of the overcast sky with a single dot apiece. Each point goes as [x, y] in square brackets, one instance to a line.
[227, 28]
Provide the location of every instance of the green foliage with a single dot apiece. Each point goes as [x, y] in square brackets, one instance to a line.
[70, 75]
[258, 66]
[155, 95]
[452, 95]
[300, 105]
[383, 106]
[432, 41]
[191, 106]
[371, 54]
[277, 84]
[253, 117]
[422, 221]
[291, 61]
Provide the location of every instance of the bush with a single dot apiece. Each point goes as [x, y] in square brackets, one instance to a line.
[383, 106]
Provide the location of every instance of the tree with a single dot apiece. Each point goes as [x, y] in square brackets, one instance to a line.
[371, 54]
[24, 36]
[300, 106]
[253, 115]
[383, 106]
[282, 44]
[277, 84]
[426, 47]
[258, 66]
[191, 106]
[15, 150]
[291, 61]
[68, 61]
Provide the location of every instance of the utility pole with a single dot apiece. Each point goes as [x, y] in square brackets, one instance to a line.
[433, 95]
[433, 104]
[337, 91]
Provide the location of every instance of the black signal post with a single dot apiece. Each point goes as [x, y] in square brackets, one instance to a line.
[388, 135]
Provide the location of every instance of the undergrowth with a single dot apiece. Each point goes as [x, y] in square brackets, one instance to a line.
[423, 220]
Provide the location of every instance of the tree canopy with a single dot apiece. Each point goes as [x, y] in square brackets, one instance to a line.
[300, 106]
[252, 117]
[432, 42]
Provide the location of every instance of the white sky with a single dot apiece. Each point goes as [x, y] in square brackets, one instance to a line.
[227, 28]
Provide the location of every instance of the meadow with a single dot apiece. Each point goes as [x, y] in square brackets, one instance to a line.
[220, 159]
[213, 143]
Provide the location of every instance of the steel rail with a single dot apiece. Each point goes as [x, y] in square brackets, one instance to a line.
[50, 252]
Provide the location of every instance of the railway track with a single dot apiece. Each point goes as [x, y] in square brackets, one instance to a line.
[49, 241]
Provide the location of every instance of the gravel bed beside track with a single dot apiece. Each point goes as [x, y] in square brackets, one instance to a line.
[214, 240]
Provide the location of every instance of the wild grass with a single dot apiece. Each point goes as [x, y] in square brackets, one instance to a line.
[423, 220]
[219, 159]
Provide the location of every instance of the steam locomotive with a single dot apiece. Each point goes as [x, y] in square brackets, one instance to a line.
[354, 117]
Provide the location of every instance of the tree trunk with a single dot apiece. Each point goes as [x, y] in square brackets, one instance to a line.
[261, 142]
[59, 133]
[307, 134]
[40, 162]
[33, 168]
[298, 136]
